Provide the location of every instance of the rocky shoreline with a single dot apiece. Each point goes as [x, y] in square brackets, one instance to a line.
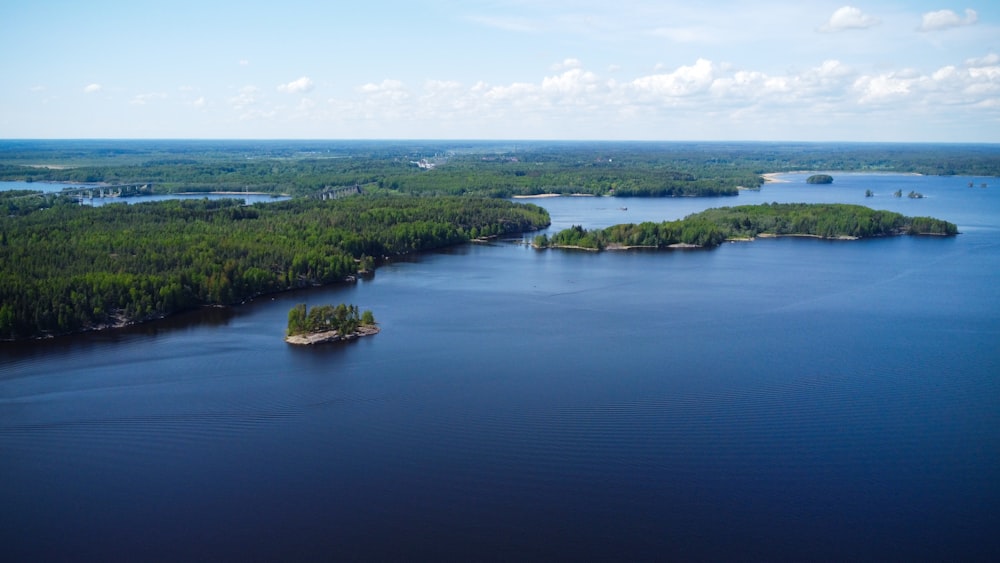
[330, 336]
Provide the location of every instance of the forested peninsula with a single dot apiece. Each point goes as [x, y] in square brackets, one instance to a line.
[712, 227]
[70, 268]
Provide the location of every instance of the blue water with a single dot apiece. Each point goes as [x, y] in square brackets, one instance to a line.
[53, 187]
[784, 399]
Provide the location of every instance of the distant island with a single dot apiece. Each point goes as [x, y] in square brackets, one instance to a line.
[712, 227]
[819, 179]
[327, 323]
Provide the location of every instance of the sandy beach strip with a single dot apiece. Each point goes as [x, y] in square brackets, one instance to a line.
[552, 195]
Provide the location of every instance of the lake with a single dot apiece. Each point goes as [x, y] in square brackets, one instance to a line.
[784, 399]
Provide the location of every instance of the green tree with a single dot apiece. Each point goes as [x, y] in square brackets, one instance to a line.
[297, 320]
[367, 318]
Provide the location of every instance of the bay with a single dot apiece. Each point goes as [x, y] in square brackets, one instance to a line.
[784, 399]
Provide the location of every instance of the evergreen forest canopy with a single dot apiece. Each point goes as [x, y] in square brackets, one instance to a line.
[69, 267]
[712, 227]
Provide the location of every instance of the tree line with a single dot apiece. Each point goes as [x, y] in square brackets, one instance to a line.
[490, 169]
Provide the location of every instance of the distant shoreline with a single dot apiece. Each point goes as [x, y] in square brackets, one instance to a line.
[227, 193]
[772, 178]
[551, 195]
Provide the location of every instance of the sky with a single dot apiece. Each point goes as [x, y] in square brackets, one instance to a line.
[768, 70]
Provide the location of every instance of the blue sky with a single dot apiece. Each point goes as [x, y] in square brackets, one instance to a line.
[502, 69]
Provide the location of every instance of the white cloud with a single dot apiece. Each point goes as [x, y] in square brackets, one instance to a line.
[945, 19]
[389, 99]
[143, 99]
[702, 99]
[92, 88]
[516, 94]
[849, 17]
[684, 81]
[833, 68]
[988, 60]
[571, 82]
[247, 97]
[945, 73]
[882, 88]
[303, 84]
[243, 62]
[387, 89]
[567, 64]
[435, 86]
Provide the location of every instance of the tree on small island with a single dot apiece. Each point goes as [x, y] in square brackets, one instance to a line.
[329, 322]
[819, 179]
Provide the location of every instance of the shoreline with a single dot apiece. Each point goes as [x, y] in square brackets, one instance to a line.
[539, 196]
[803, 235]
[331, 336]
[228, 193]
[619, 247]
[772, 178]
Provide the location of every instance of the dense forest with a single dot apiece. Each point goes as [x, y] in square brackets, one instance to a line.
[493, 169]
[712, 227]
[68, 267]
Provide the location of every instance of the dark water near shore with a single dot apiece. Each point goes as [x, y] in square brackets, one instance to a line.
[784, 399]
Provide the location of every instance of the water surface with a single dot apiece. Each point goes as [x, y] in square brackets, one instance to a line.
[784, 399]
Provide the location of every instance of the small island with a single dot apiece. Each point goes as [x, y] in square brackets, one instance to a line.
[819, 179]
[328, 323]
